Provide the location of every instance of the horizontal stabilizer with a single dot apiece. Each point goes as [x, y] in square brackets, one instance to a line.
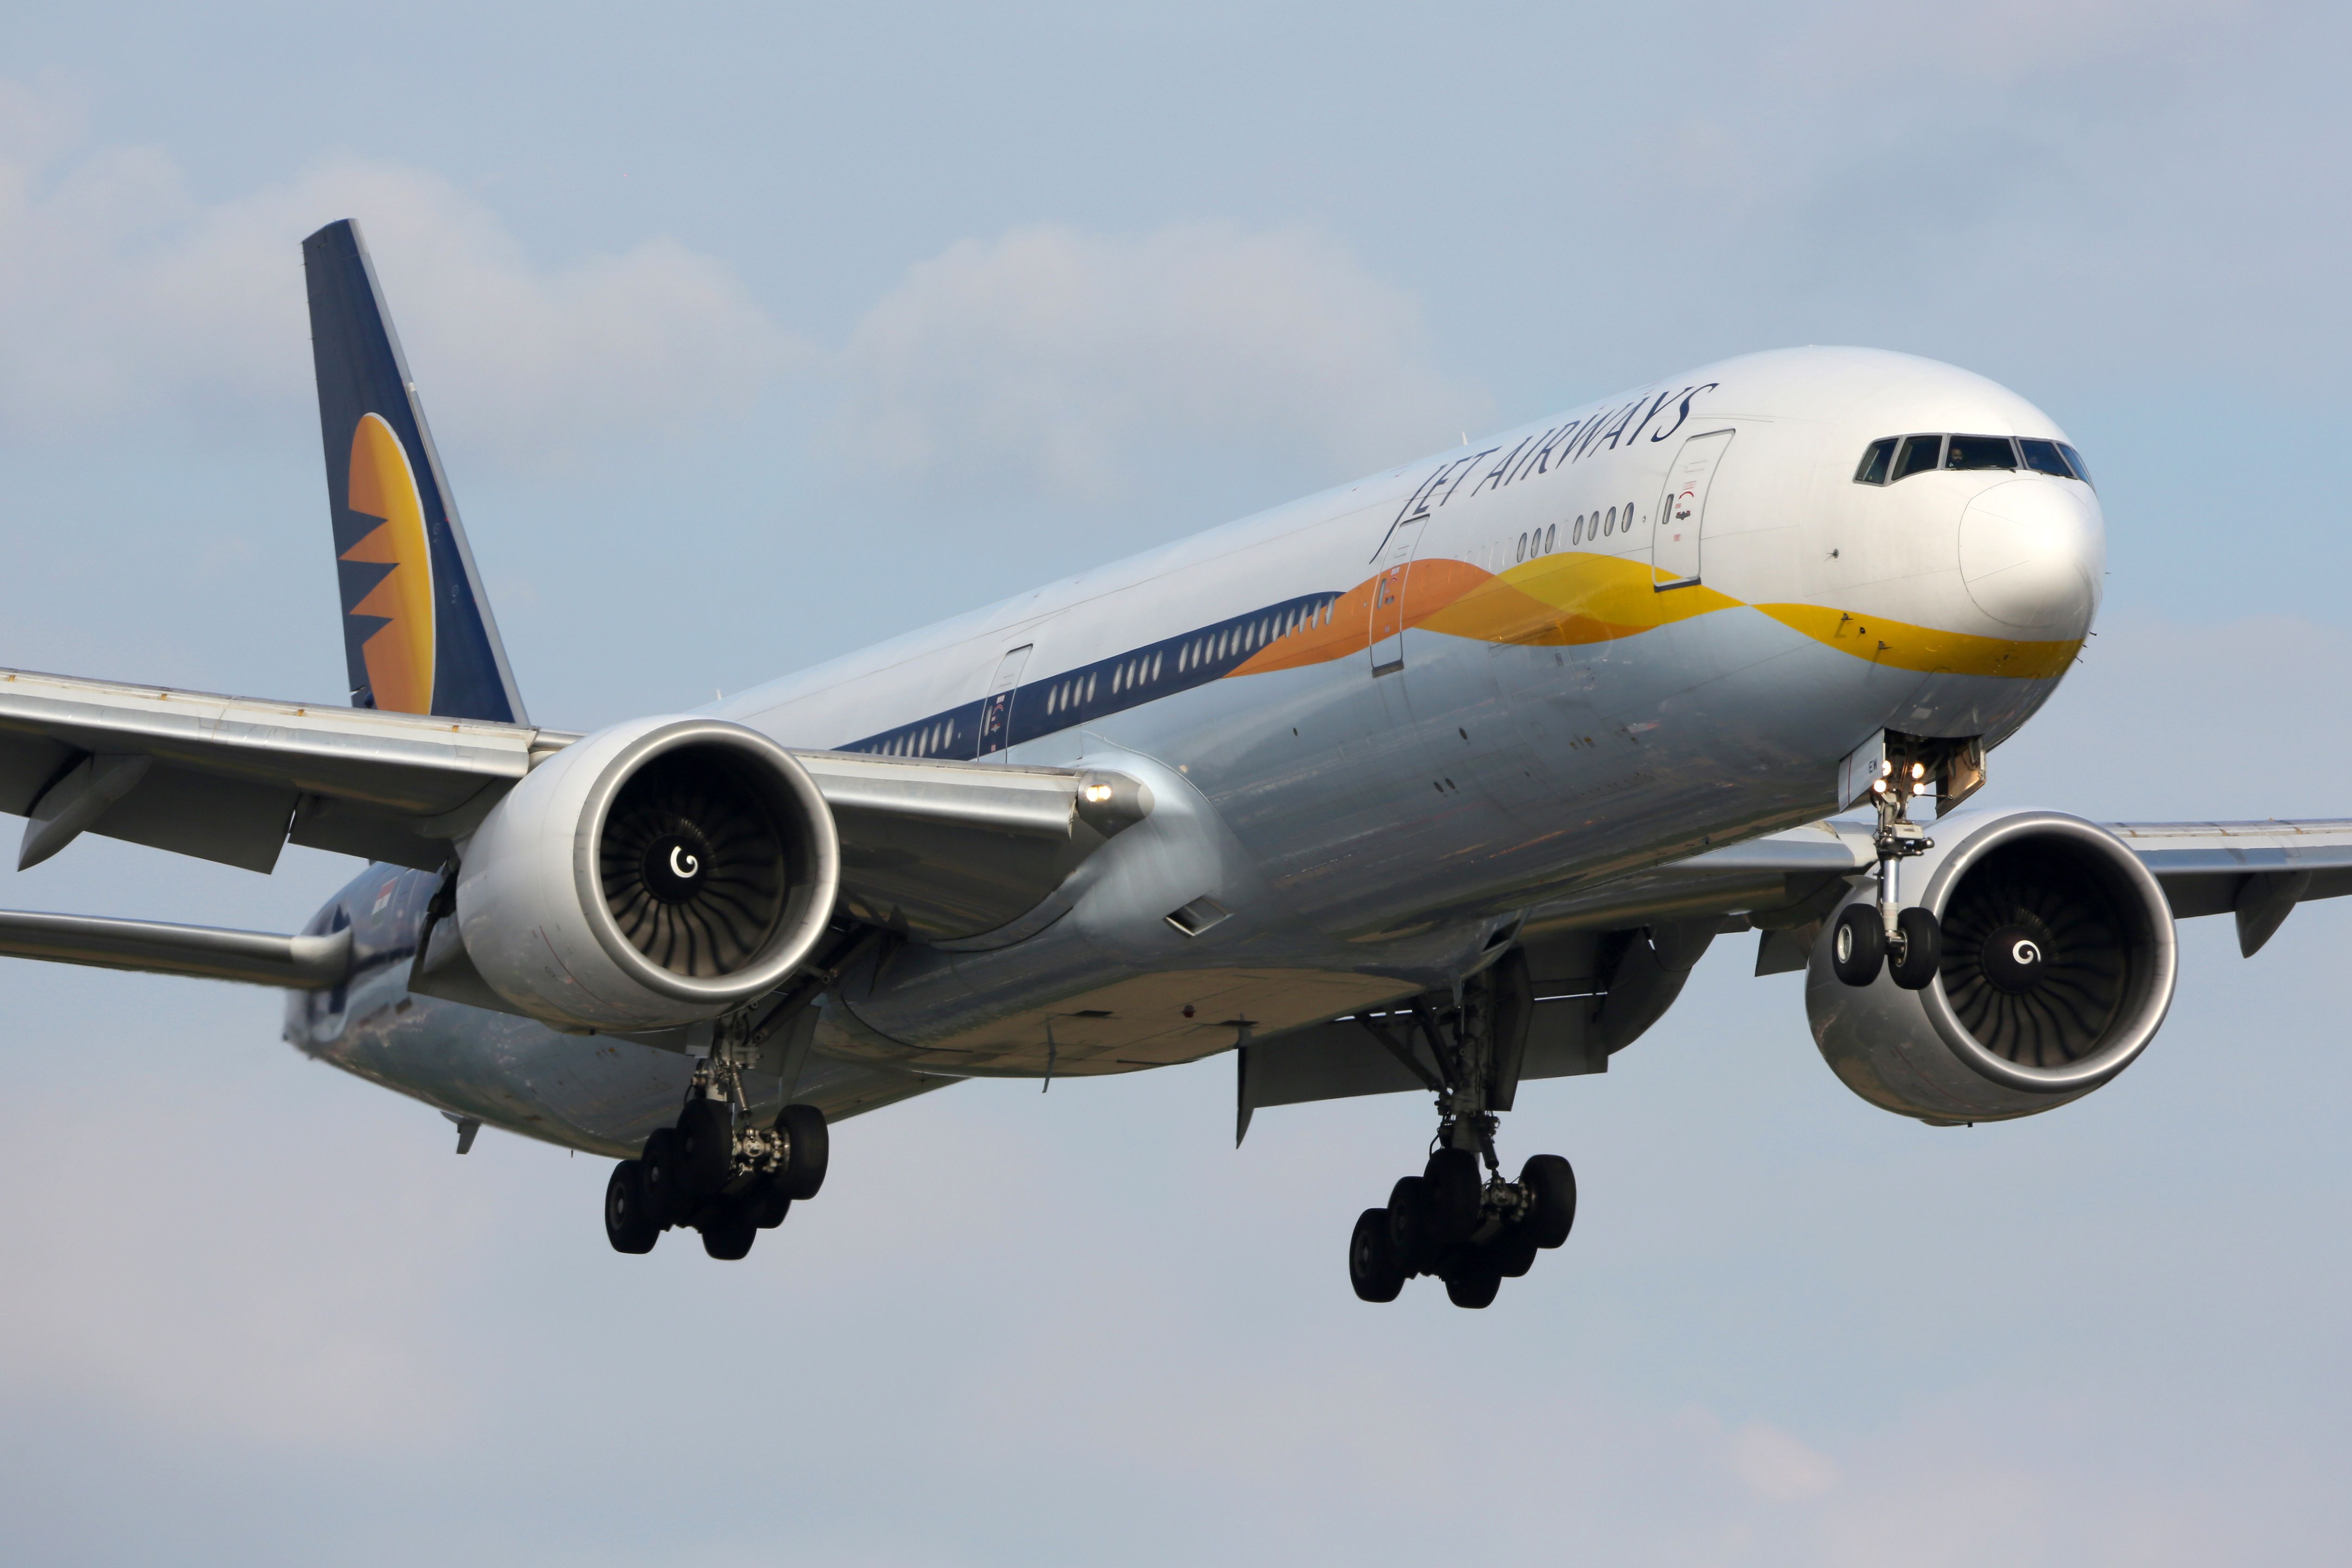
[256, 958]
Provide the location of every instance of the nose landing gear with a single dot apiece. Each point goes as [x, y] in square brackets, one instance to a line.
[1471, 1230]
[1907, 942]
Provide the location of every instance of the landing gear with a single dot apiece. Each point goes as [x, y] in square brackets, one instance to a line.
[629, 1222]
[1907, 942]
[1460, 1219]
[715, 1172]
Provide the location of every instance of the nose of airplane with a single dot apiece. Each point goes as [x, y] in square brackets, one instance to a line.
[2033, 552]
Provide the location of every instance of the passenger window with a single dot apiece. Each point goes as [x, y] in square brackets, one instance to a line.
[1874, 462]
[1980, 452]
[1629, 517]
[2042, 457]
[1920, 453]
[1551, 539]
[1523, 548]
[1609, 526]
[2074, 460]
[1576, 535]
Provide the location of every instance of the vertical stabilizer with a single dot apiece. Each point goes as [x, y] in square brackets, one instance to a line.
[417, 632]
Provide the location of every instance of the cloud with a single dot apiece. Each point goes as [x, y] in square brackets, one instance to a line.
[279, 1294]
[1074, 361]
[125, 298]
[1777, 1466]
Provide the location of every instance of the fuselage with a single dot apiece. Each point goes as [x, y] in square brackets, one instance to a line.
[1385, 723]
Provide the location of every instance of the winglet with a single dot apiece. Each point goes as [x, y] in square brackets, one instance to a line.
[418, 636]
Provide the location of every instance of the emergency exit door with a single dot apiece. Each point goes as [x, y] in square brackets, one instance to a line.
[1681, 514]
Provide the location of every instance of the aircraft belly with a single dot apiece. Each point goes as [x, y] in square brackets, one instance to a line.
[1137, 1021]
[595, 1093]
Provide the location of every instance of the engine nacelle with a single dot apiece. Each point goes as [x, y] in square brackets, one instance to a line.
[2057, 969]
[654, 874]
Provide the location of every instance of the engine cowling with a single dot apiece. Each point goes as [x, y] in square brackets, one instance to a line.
[652, 875]
[2058, 967]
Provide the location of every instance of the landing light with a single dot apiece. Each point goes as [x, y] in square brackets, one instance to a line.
[1097, 793]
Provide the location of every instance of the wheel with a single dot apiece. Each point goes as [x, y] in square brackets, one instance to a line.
[1409, 1225]
[706, 1146]
[629, 1222]
[666, 1197]
[1552, 1181]
[1372, 1266]
[1511, 1254]
[1858, 944]
[1474, 1289]
[1450, 1193]
[767, 1203]
[729, 1236]
[1923, 950]
[807, 1148]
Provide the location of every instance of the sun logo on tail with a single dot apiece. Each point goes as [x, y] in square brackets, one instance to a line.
[399, 652]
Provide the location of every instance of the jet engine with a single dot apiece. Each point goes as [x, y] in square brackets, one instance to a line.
[654, 874]
[2057, 968]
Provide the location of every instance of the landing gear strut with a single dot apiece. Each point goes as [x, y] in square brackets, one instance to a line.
[715, 1171]
[1460, 1219]
[1907, 942]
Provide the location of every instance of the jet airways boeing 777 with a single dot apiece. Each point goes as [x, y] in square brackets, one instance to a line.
[1438, 781]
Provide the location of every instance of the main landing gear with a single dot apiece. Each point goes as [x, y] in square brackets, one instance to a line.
[715, 1172]
[1460, 1219]
[1907, 942]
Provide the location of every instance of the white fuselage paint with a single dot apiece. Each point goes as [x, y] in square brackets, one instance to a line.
[1370, 832]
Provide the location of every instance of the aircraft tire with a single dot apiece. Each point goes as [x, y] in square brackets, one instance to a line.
[630, 1223]
[1923, 950]
[810, 1149]
[1450, 1193]
[1858, 944]
[729, 1236]
[706, 1147]
[1409, 1235]
[1552, 1181]
[664, 1178]
[1474, 1289]
[1372, 1266]
[769, 1204]
[1511, 1254]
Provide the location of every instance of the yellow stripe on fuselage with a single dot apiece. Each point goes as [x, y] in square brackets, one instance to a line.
[1574, 598]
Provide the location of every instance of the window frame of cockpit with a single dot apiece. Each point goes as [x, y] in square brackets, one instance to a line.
[1895, 444]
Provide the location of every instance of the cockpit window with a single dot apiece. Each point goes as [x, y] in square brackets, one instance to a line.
[1873, 470]
[2043, 457]
[1980, 452]
[1898, 457]
[1920, 453]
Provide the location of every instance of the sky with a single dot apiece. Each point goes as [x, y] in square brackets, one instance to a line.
[755, 333]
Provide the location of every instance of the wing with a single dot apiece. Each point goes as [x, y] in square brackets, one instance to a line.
[939, 850]
[2256, 870]
[1606, 962]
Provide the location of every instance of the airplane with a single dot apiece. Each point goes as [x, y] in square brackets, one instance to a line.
[1438, 781]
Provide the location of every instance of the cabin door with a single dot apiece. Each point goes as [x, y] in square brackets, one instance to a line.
[1681, 514]
[1393, 564]
[996, 708]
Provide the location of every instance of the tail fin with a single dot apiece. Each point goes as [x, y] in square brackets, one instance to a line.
[417, 632]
